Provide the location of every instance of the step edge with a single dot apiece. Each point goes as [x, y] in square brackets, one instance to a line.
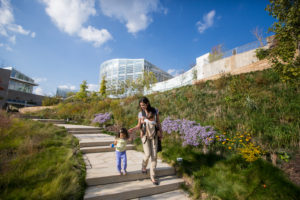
[148, 191]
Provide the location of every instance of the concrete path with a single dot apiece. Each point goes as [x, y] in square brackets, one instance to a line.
[103, 179]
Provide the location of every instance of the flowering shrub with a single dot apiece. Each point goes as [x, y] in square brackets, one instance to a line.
[250, 152]
[244, 146]
[101, 118]
[191, 132]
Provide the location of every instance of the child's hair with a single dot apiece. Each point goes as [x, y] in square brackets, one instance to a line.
[124, 131]
[150, 115]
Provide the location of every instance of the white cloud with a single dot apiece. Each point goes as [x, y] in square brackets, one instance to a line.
[38, 91]
[98, 37]
[208, 21]
[70, 16]
[6, 13]
[93, 87]
[7, 26]
[175, 72]
[134, 13]
[7, 47]
[39, 80]
[17, 29]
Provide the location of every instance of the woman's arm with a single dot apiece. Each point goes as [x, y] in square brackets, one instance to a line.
[137, 126]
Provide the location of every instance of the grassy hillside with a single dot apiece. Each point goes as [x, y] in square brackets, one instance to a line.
[39, 161]
[255, 115]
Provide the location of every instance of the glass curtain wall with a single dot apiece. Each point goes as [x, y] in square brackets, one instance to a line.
[15, 85]
[117, 71]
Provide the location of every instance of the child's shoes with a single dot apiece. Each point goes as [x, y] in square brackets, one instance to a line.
[120, 173]
[124, 172]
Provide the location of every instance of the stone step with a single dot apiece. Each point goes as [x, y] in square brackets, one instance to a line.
[132, 189]
[94, 144]
[131, 176]
[103, 149]
[95, 131]
[84, 129]
[173, 195]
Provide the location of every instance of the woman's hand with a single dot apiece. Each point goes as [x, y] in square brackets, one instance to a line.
[130, 130]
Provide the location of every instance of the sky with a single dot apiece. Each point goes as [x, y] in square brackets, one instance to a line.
[60, 43]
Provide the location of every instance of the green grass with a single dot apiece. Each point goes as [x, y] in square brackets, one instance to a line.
[228, 177]
[40, 161]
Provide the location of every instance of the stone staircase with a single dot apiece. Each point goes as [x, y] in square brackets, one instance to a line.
[103, 179]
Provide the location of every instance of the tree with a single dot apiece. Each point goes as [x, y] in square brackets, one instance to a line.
[216, 53]
[258, 33]
[285, 54]
[103, 87]
[50, 101]
[146, 80]
[82, 94]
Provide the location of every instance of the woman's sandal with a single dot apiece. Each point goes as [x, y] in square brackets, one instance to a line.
[144, 171]
[155, 182]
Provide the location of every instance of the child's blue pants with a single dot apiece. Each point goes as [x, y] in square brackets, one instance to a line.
[119, 156]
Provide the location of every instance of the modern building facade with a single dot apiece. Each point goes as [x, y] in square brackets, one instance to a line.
[63, 92]
[117, 71]
[16, 89]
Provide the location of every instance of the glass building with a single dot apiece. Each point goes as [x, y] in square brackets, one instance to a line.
[20, 82]
[117, 71]
[64, 92]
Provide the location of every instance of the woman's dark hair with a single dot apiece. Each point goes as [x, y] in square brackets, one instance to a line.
[146, 101]
[124, 131]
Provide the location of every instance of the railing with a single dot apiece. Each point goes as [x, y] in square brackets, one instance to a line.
[244, 48]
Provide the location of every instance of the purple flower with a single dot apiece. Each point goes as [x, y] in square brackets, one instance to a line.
[192, 133]
[101, 118]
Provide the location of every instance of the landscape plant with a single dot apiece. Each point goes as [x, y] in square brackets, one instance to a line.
[285, 50]
[39, 161]
[102, 118]
[257, 103]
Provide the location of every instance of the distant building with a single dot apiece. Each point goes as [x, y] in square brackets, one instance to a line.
[16, 89]
[63, 92]
[120, 70]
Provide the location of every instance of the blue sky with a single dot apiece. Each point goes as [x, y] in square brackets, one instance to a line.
[60, 43]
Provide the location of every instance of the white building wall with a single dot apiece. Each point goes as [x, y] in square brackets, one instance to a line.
[204, 69]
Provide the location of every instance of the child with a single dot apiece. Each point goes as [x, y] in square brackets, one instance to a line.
[148, 126]
[120, 144]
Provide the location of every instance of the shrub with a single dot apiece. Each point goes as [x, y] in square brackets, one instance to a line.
[102, 118]
[262, 53]
[49, 101]
[192, 133]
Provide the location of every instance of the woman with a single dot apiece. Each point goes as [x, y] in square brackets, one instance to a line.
[149, 143]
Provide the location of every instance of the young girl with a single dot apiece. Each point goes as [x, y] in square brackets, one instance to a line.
[120, 144]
